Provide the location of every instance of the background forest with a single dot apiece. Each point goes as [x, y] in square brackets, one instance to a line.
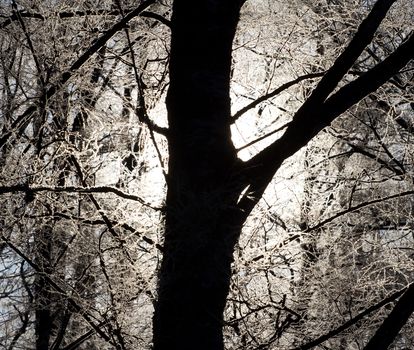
[323, 257]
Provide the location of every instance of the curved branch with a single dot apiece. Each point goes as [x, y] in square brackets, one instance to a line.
[157, 17]
[270, 133]
[74, 189]
[274, 93]
[357, 207]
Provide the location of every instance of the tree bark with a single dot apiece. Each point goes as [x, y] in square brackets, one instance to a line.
[195, 273]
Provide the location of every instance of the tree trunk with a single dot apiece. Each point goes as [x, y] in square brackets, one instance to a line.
[195, 273]
[204, 214]
[42, 293]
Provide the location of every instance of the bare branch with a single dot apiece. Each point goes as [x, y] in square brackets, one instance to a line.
[157, 17]
[307, 123]
[251, 143]
[357, 207]
[353, 321]
[75, 189]
[398, 317]
[72, 14]
[347, 58]
[274, 93]
[21, 121]
[57, 287]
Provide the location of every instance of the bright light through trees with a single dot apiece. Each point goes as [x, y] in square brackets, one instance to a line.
[319, 181]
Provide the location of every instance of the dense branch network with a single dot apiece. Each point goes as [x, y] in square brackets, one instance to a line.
[317, 113]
